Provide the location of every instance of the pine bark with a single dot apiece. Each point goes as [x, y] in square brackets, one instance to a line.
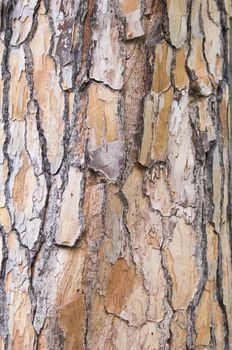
[115, 182]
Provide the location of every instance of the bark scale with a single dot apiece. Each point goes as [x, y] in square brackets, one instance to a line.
[115, 205]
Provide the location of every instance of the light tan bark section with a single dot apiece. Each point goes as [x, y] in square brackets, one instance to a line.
[115, 206]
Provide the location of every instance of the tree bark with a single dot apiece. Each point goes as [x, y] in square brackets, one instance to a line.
[115, 188]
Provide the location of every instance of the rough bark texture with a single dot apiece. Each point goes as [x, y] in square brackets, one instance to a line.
[115, 206]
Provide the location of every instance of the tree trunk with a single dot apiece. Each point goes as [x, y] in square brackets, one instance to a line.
[115, 204]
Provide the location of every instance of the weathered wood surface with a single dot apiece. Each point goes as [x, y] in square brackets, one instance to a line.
[115, 182]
